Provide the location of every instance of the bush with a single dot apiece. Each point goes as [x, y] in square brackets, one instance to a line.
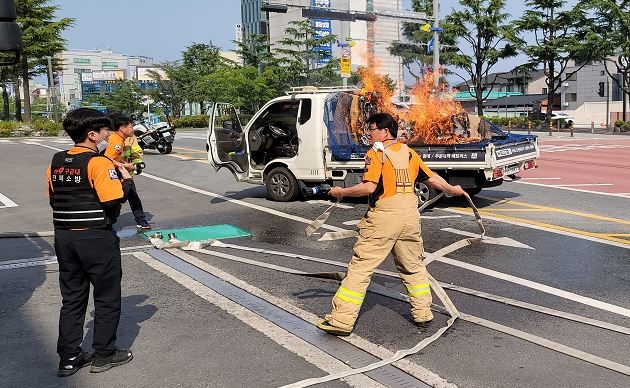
[198, 121]
[47, 127]
[513, 122]
[7, 128]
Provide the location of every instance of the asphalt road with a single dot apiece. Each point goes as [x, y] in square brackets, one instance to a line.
[555, 243]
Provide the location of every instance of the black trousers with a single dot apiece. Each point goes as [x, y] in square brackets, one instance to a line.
[87, 257]
[135, 203]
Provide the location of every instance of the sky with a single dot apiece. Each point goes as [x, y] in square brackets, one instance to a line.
[154, 29]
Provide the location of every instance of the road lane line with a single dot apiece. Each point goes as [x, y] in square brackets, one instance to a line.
[583, 185]
[239, 202]
[557, 210]
[42, 145]
[538, 286]
[540, 179]
[192, 150]
[520, 181]
[548, 228]
[6, 201]
[381, 290]
[287, 340]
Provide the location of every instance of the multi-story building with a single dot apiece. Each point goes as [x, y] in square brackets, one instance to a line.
[366, 44]
[91, 71]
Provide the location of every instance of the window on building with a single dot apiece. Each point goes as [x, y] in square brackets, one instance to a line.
[545, 90]
[570, 97]
[573, 77]
[79, 70]
[109, 64]
[81, 61]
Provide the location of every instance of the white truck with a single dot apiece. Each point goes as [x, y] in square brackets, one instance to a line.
[292, 144]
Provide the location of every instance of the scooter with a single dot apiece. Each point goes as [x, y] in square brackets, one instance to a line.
[159, 136]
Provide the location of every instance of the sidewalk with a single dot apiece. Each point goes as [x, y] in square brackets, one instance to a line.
[583, 133]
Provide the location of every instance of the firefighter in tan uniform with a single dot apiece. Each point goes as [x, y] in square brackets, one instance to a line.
[391, 225]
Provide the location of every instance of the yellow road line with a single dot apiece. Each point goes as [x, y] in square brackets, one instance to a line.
[603, 236]
[192, 150]
[520, 210]
[565, 211]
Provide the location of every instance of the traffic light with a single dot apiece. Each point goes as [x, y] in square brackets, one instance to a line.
[10, 34]
[56, 78]
[601, 91]
[279, 8]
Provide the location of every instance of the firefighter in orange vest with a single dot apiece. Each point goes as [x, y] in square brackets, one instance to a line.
[391, 225]
[122, 149]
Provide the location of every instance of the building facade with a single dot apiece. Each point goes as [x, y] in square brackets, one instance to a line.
[93, 71]
[365, 45]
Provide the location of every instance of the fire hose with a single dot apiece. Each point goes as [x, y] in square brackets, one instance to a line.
[318, 222]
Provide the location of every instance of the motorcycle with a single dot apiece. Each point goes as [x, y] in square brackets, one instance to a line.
[158, 136]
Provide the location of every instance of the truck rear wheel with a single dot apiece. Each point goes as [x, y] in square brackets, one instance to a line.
[473, 191]
[425, 193]
[281, 184]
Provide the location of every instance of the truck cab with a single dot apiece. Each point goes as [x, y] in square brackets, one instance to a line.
[282, 145]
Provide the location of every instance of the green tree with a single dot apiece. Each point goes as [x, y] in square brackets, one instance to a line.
[611, 29]
[200, 60]
[126, 97]
[480, 26]
[561, 39]
[41, 40]
[170, 89]
[255, 51]
[297, 50]
[413, 51]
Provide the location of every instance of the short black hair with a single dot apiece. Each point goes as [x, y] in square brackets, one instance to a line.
[384, 120]
[119, 120]
[79, 122]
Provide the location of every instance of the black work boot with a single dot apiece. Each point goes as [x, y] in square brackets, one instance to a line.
[102, 364]
[70, 366]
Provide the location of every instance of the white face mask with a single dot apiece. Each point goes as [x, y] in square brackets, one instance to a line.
[101, 146]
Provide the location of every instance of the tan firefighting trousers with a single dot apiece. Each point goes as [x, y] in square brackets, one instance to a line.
[392, 226]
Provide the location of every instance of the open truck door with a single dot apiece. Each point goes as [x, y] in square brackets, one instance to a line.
[226, 141]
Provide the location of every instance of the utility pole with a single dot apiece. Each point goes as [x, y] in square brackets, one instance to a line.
[51, 89]
[436, 44]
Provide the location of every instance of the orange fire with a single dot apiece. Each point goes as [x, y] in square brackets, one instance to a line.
[432, 117]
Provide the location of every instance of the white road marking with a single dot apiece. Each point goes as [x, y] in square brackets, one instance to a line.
[42, 145]
[538, 286]
[537, 227]
[520, 182]
[422, 216]
[491, 240]
[328, 203]
[6, 141]
[540, 179]
[583, 185]
[6, 201]
[294, 344]
[239, 202]
[196, 137]
[351, 222]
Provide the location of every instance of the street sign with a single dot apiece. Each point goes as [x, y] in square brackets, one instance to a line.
[346, 62]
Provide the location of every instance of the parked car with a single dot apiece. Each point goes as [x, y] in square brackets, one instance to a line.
[567, 119]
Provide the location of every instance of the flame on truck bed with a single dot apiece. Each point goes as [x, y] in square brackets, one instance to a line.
[433, 118]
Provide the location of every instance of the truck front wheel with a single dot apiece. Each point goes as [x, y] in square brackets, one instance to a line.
[281, 184]
[425, 193]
